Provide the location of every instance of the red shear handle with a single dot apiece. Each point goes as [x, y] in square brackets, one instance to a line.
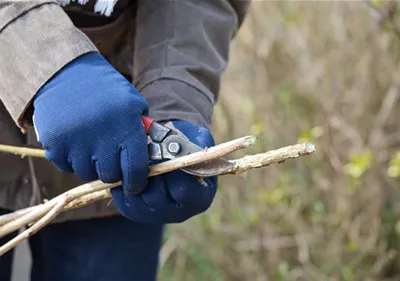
[147, 121]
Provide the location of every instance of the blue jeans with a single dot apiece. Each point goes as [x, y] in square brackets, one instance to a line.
[112, 249]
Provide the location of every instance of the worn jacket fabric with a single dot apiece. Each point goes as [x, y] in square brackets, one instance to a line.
[173, 51]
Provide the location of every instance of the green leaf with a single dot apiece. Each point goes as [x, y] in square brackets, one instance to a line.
[394, 171]
[311, 135]
[289, 18]
[305, 136]
[388, 26]
[376, 3]
[319, 208]
[285, 94]
[397, 227]
[347, 274]
[358, 164]
[394, 166]
[352, 246]
[257, 128]
[283, 268]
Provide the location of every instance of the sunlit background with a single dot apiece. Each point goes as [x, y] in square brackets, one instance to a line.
[324, 72]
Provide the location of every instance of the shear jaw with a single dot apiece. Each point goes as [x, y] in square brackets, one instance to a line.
[167, 143]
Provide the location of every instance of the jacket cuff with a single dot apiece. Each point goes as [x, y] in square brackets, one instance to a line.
[35, 46]
[171, 99]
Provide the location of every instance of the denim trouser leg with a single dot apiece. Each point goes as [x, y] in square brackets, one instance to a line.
[7, 258]
[112, 249]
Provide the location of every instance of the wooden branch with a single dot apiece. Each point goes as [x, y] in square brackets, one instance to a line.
[40, 210]
[241, 165]
[82, 195]
[203, 156]
[22, 151]
[34, 229]
[195, 158]
[250, 162]
[14, 215]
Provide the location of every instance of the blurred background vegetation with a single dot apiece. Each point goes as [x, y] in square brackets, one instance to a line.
[324, 72]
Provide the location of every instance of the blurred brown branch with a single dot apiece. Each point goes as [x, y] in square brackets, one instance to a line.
[386, 14]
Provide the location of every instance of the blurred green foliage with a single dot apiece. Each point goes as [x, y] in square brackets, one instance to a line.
[359, 164]
[305, 72]
[394, 166]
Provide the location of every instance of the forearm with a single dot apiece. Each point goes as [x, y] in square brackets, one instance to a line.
[36, 40]
[181, 50]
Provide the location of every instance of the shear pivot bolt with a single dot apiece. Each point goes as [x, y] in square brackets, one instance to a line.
[174, 147]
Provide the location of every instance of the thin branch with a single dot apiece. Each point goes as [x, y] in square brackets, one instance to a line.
[384, 15]
[167, 249]
[203, 156]
[87, 199]
[22, 151]
[84, 194]
[388, 104]
[88, 189]
[34, 229]
[241, 165]
[250, 162]
[14, 215]
[40, 210]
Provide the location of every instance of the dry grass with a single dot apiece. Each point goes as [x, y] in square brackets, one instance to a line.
[327, 72]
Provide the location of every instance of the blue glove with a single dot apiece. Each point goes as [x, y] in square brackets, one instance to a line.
[172, 197]
[88, 120]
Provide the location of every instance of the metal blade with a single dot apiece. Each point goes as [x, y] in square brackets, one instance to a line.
[205, 169]
[209, 168]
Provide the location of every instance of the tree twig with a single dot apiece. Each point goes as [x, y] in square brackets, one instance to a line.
[84, 194]
[40, 210]
[22, 151]
[250, 162]
[241, 165]
[14, 215]
[34, 228]
[90, 192]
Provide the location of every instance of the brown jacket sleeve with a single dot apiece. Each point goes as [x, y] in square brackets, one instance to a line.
[181, 50]
[36, 40]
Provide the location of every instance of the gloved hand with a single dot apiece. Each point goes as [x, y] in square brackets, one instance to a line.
[88, 120]
[172, 197]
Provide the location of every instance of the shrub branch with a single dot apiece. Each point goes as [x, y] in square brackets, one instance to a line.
[40, 215]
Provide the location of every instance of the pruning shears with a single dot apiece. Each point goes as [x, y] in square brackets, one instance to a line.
[167, 143]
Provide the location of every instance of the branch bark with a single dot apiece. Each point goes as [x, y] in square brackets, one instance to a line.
[22, 151]
[34, 229]
[97, 190]
[250, 162]
[44, 213]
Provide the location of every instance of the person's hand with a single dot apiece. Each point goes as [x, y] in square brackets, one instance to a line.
[88, 120]
[172, 197]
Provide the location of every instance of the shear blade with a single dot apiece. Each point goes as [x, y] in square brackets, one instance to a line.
[209, 168]
[206, 169]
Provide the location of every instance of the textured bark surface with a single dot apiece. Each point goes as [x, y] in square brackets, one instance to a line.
[40, 215]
